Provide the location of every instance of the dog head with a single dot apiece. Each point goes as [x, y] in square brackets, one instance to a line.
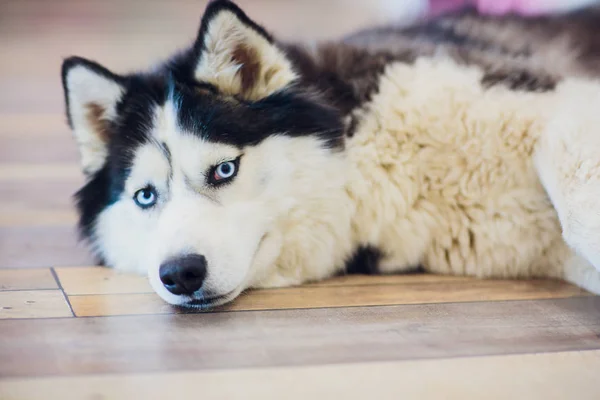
[210, 171]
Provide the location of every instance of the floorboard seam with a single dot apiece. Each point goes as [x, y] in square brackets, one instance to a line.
[286, 309]
[194, 312]
[55, 275]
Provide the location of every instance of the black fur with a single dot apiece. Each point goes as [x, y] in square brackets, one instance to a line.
[365, 260]
[520, 80]
[291, 112]
[92, 198]
[440, 32]
[347, 76]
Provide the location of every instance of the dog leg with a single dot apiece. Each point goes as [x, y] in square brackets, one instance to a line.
[568, 162]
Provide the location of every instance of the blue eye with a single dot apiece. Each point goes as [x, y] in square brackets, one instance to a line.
[224, 172]
[146, 197]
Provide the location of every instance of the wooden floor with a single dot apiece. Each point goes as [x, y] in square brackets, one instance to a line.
[72, 330]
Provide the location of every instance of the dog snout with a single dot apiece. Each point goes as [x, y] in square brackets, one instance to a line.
[183, 275]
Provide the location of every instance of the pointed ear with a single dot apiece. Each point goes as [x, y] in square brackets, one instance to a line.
[238, 56]
[91, 95]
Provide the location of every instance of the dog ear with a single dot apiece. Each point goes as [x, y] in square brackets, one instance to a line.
[238, 56]
[91, 94]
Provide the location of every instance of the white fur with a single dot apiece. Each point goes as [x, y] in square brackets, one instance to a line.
[85, 87]
[447, 177]
[568, 162]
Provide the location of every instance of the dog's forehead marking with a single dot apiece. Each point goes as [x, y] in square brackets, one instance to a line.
[187, 152]
[165, 121]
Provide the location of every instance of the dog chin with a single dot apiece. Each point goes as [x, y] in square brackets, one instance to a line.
[198, 301]
[201, 302]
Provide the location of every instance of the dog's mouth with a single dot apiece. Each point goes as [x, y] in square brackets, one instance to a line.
[206, 303]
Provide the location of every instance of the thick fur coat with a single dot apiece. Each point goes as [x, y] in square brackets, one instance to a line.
[464, 145]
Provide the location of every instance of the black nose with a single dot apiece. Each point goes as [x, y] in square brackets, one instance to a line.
[183, 275]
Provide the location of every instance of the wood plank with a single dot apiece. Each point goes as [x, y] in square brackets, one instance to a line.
[41, 202]
[41, 246]
[33, 126]
[411, 292]
[74, 346]
[37, 218]
[27, 279]
[42, 194]
[33, 304]
[48, 92]
[69, 171]
[50, 148]
[100, 280]
[563, 375]
[119, 304]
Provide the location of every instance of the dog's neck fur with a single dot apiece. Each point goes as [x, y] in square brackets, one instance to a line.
[322, 236]
[345, 74]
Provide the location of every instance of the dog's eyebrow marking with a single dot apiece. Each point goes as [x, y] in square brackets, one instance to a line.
[166, 151]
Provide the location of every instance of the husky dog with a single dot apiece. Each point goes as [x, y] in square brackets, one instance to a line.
[463, 145]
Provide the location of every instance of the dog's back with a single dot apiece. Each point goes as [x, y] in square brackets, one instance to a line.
[531, 54]
[560, 45]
